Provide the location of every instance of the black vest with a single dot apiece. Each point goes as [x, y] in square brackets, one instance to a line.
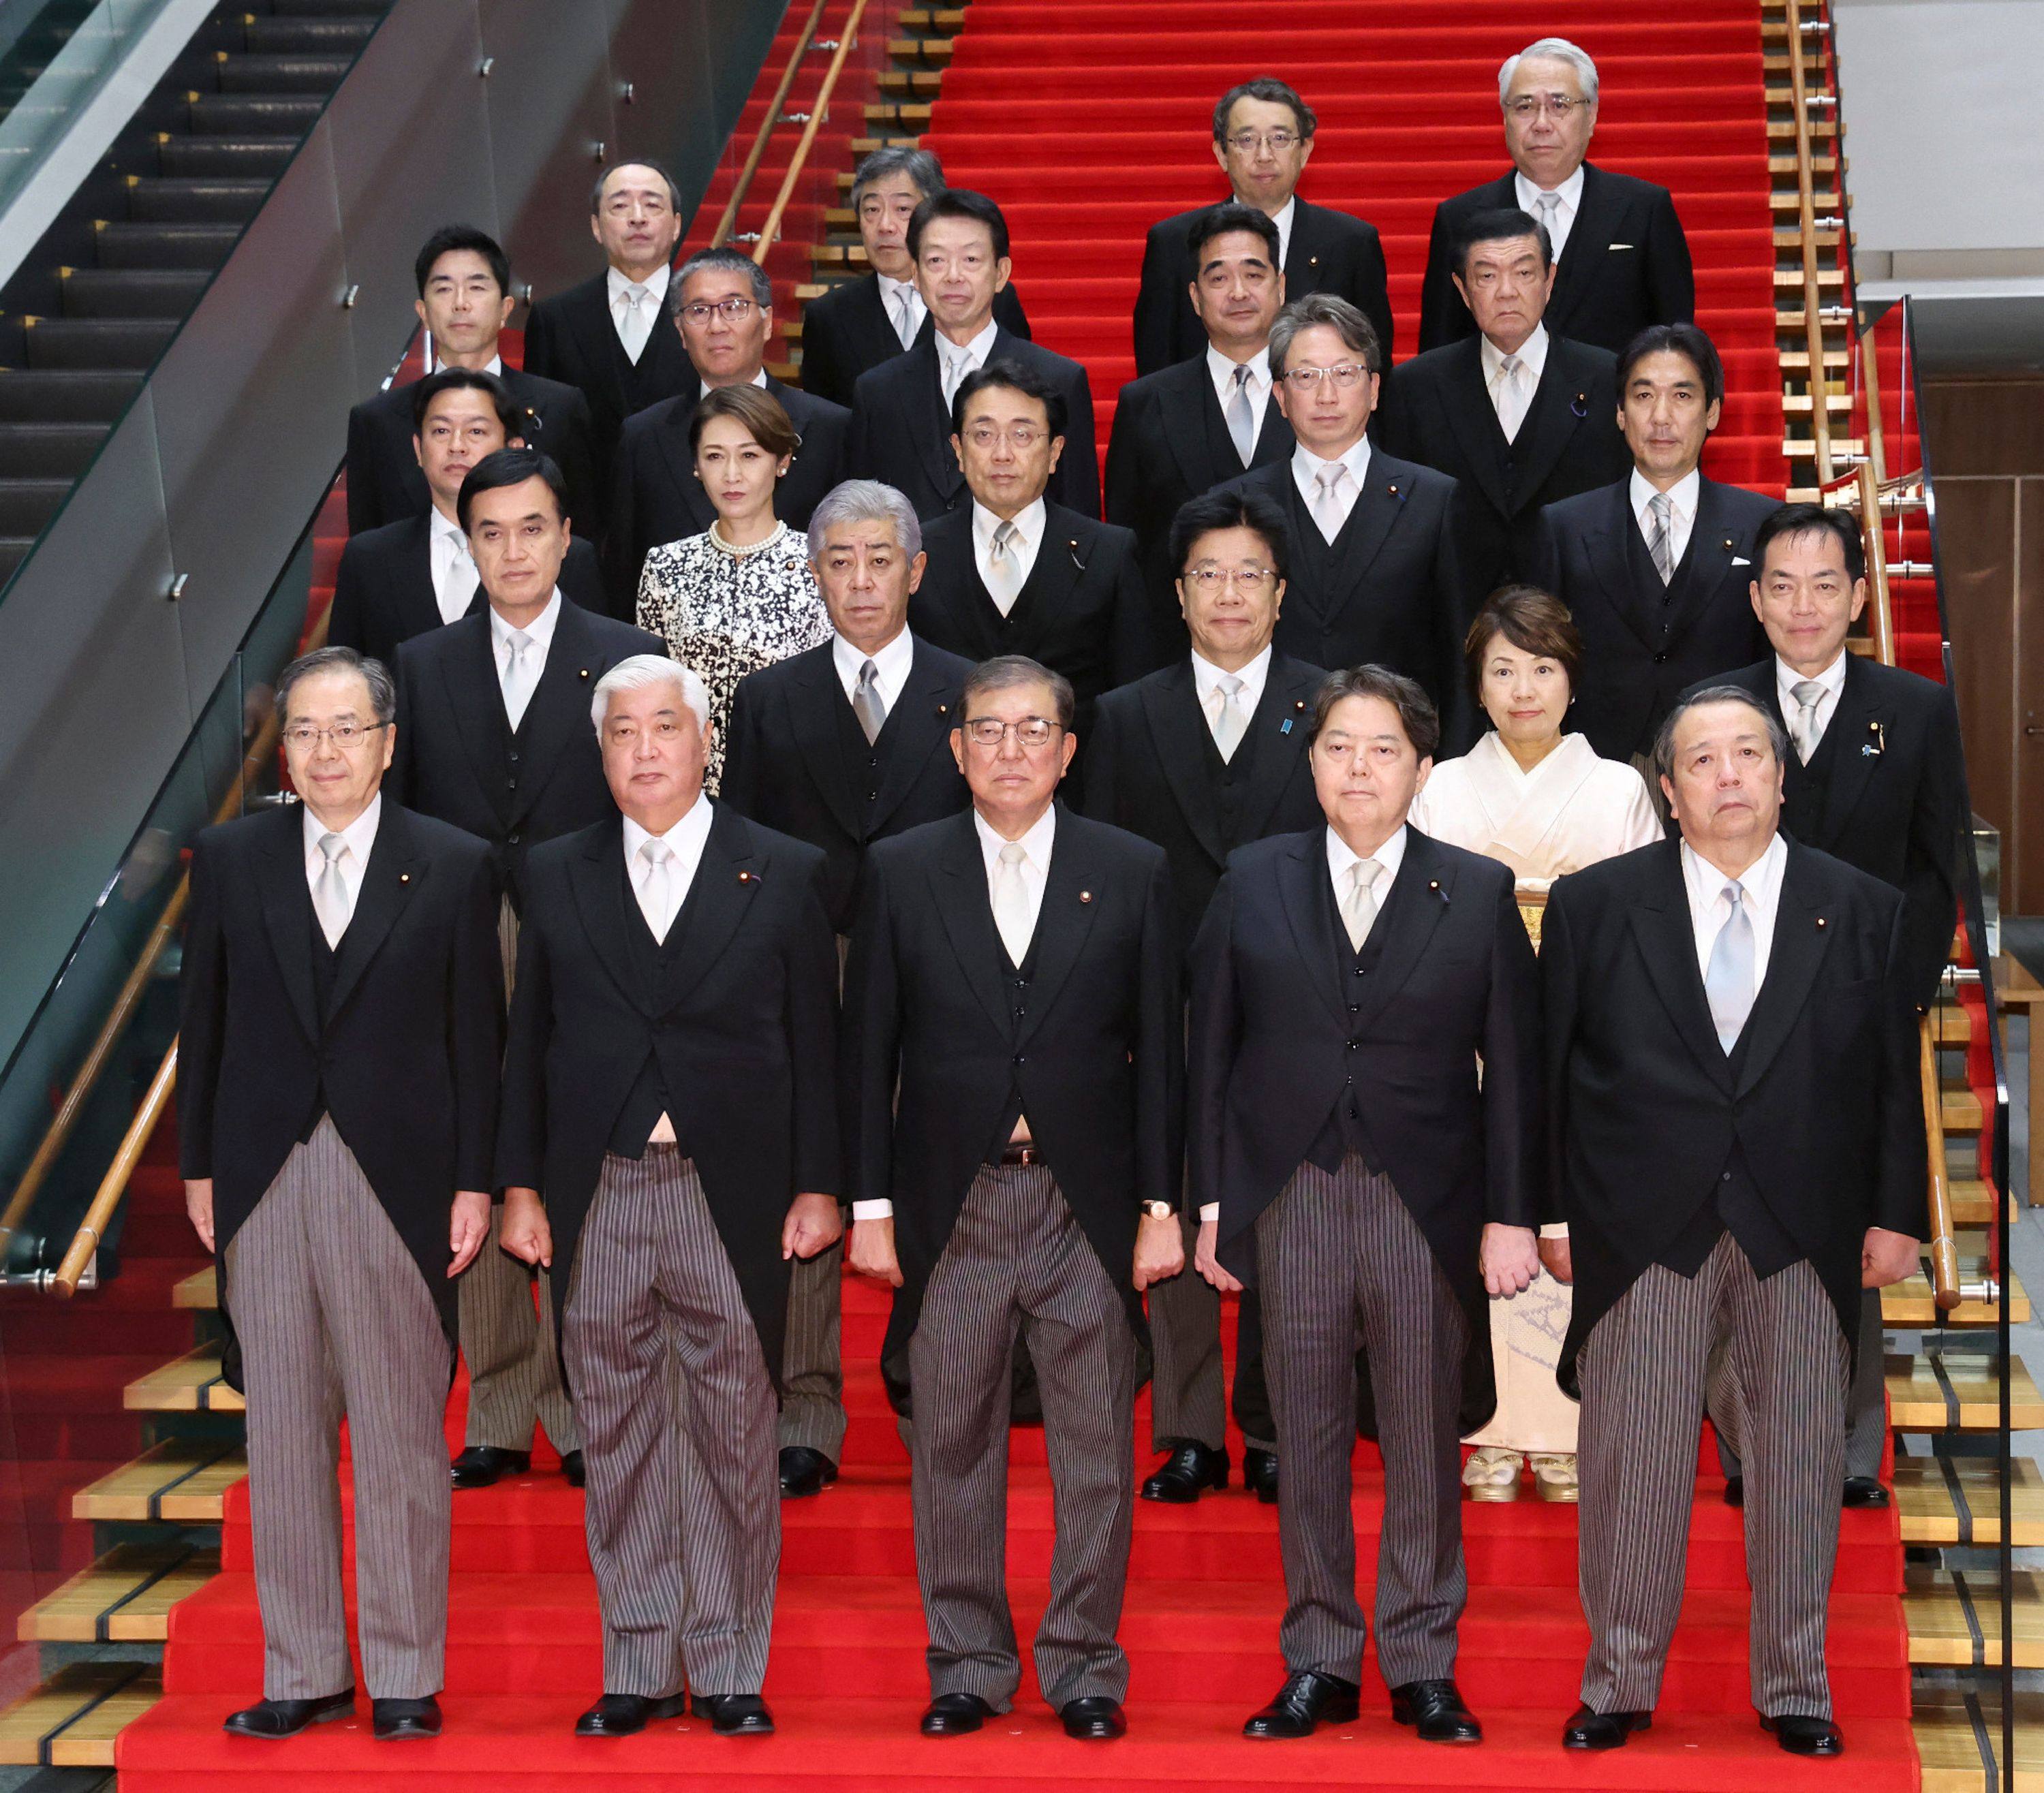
[1347, 1128]
[1230, 778]
[323, 957]
[1807, 789]
[1015, 982]
[650, 960]
[866, 760]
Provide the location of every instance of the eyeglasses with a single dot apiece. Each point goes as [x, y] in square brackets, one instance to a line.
[1032, 732]
[697, 312]
[1345, 374]
[1531, 105]
[1246, 143]
[1022, 438]
[305, 737]
[1251, 581]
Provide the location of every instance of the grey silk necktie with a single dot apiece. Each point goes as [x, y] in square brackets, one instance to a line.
[1228, 720]
[636, 325]
[1359, 904]
[1003, 571]
[518, 677]
[1241, 423]
[904, 312]
[1548, 205]
[1660, 535]
[867, 704]
[1728, 980]
[330, 901]
[1011, 902]
[1328, 511]
[1808, 693]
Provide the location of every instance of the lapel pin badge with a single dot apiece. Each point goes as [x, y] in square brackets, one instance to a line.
[1392, 488]
[1581, 404]
[404, 877]
[584, 673]
[1086, 895]
[1879, 744]
[1731, 545]
[1284, 728]
[746, 878]
[1820, 922]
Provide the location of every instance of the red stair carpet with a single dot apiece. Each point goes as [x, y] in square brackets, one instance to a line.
[1086, 119]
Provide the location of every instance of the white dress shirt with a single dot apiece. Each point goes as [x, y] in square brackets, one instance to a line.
[1035, 870]
[892, 292]
[455, 576]
[686, 839]
[891, 665]
[1832, 678]
[1206, 685]
[1570, 193]
[1221, 370]
[1511, 408]
[1030, 523]
[1306, 475]
[955, 360]
[539, 631]
[654, 285]
[759, 380]
[360, 835]
[1761, 893]
[1682, 497]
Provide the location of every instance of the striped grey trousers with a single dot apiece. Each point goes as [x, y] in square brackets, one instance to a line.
[1018, 1264]
[1342, 1262]
[683, 1505]
[1187, 1396]
[1866, 1400]
[1770, 1358]
[335, 1320]
[507, 1335]
[812, 1371]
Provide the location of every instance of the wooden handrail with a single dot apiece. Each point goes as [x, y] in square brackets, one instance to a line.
[1939, 1247]
[771, 228]
[1876, 564]
[1813, 326]
[729, 221]
[114, 1185]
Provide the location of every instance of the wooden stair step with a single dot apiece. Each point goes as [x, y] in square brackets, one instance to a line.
[200, 1289]
[184, 1480]
[1973, 1201]
[1961, 1109]
[1967, 1399]
[1950, 1500]
[912, 81]
[188, 1384]
[919, 49]
[1910, 1302]
[70, 1721]
[1791, 279]
[125, 1597]
[1959, 1733]
[1954, 1618]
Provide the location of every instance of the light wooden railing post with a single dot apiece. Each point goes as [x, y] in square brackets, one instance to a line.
[772, 227]
[1939, 1246]
[1813, 324]
[729, 221]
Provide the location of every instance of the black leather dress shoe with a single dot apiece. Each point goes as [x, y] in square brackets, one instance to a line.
[624, 1714]
[1306, 1701]
[1586, 1729]
[396, 1719]
[1436, 1710]
[953, 1714]
[733, 1714]
[480, 1465]
[1259, 1474]
[1187, 1473]
[1093, 1720]
[1734, 1490]
[571, 1468]
[1864, 1491]
[1802, 1736]
[805, 1472]
[286, 1718]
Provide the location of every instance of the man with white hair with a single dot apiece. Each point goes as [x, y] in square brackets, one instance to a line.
[670, 1136]
[1623, 261]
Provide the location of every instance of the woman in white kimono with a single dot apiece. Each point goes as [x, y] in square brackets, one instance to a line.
[1545, 804]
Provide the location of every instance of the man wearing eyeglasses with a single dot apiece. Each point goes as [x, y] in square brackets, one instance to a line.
[1376, 571]
[1202, 757]
[722, 303]
[494, 738]
[341, 1018]
[1623, 262]
[1262, 138]
[1017, 573]
[1013, 1063]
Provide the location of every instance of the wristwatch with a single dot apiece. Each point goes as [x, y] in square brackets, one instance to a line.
[1159, 1210]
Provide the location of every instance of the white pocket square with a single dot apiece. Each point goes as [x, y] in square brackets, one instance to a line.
[1740, 560]
[1621, 245]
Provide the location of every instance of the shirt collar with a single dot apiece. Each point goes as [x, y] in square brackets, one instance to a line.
[440, 526]
[687, 837]
[1030, 523]
[1389, 857]
[1571, 192]
[890, 664]
[1533, 352]
[539, 631]
[1761, 881]
[656, 283]
[1682, 496]
[759, 379]
[1832, 678]
[1282, 218]
[891, 288]
[1206, 675]
[979, 348]
[496, 366]
[1036, 843]
[1222, 370]
[359, 834]
[1307, 465]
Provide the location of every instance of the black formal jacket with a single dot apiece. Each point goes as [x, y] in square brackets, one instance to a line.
[405, 1058]
[1096, 1055]
[385, 484]
[1286, 1031]
[901, 432]
[847, 330]
[1884, 793]
[1642, 641]
[737, 1019]
[383, 592]
[1170, 444]
[457, 758]
[1627, 264]
[1402, 595]
[1330, 251]
[791, 763]
[1820, 1096]
[1152, 768]
[571, 337]
[1080, 612]
[1438, 411]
